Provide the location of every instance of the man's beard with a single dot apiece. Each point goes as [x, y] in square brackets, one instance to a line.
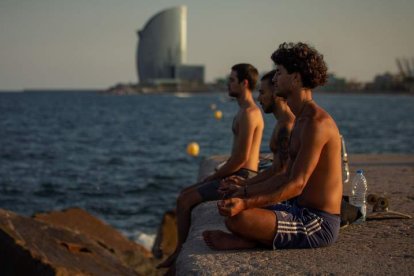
[233, 94]
[269, 108]
[283, 94]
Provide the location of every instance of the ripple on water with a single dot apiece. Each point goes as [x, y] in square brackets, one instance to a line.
[48, 189]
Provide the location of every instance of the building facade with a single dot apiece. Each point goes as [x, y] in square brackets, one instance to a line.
[162, 49]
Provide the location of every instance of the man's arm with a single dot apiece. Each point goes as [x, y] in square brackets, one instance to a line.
[242, 145]
[262, 176]
[234, 184]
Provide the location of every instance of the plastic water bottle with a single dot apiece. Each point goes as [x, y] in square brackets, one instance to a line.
[359, 190]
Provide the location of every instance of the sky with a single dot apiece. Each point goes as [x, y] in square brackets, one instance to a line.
[91, 44]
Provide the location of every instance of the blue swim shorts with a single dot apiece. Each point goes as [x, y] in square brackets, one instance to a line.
[300, 227]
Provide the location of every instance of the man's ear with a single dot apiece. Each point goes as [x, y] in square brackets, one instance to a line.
[297, 79]
[245, 83]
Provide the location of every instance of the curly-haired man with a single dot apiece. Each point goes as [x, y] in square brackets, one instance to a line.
[313, 181]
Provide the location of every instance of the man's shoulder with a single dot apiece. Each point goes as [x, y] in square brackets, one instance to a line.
[252, 110]
[251, 116]
[318, 118]
[285, 124]
[321, 124]
[314, 123]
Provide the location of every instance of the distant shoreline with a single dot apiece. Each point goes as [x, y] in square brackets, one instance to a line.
[127, 89]
[195, 91]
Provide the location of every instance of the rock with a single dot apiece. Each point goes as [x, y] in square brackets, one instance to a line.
[77, 219]
[33, 247]
[80, 221]
[166, 239]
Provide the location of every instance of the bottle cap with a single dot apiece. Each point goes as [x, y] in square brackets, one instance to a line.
[360, 171]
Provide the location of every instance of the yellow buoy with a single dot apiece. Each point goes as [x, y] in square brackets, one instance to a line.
[218, 114]
[193, 149]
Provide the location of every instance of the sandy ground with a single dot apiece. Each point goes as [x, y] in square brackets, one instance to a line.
[382, 247]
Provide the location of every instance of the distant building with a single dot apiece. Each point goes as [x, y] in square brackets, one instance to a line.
[386, 82]
[162, 50]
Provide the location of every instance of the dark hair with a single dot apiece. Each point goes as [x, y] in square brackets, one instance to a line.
[303, 59]
[247, 72]
[269, 76]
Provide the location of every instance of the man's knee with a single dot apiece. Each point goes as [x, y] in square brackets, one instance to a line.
[182, 199]
[187, 199]
[235, 223]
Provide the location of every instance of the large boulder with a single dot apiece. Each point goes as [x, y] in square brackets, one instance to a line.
[80, 221]
[33, 247]
[166, 239]
[68, 242]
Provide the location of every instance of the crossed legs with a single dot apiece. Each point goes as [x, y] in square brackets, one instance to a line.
[249, 228]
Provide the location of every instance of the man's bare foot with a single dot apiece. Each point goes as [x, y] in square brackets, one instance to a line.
[219, 240]
[169, 261]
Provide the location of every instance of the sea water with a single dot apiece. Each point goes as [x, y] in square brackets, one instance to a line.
[123, 158]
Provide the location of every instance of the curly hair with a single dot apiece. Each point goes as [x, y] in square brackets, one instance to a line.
[304, 59]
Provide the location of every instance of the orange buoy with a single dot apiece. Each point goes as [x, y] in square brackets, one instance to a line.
[193, 149]
[218, 114]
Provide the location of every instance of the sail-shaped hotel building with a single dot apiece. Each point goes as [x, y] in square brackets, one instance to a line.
[162, 50]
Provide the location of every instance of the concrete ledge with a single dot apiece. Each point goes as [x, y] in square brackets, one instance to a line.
[384, 247]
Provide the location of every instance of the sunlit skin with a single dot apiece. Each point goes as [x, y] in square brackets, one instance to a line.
[313, 175]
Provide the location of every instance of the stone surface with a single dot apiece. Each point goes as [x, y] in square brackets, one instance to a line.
[383, 247]
[166, 239]
[32, 247]
[68, 242]
[80, 221]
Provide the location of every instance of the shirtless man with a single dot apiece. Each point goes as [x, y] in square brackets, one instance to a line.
[244, 159]
[313, 177]
[279, 141]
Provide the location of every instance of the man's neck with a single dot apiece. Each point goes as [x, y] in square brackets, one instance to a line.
[245, 98]
[297, 100]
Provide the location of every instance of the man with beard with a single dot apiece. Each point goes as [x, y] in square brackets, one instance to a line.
[279, 141]
[244, 159]
[313, 179]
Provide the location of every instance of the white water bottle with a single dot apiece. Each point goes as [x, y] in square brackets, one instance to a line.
[358, 193]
